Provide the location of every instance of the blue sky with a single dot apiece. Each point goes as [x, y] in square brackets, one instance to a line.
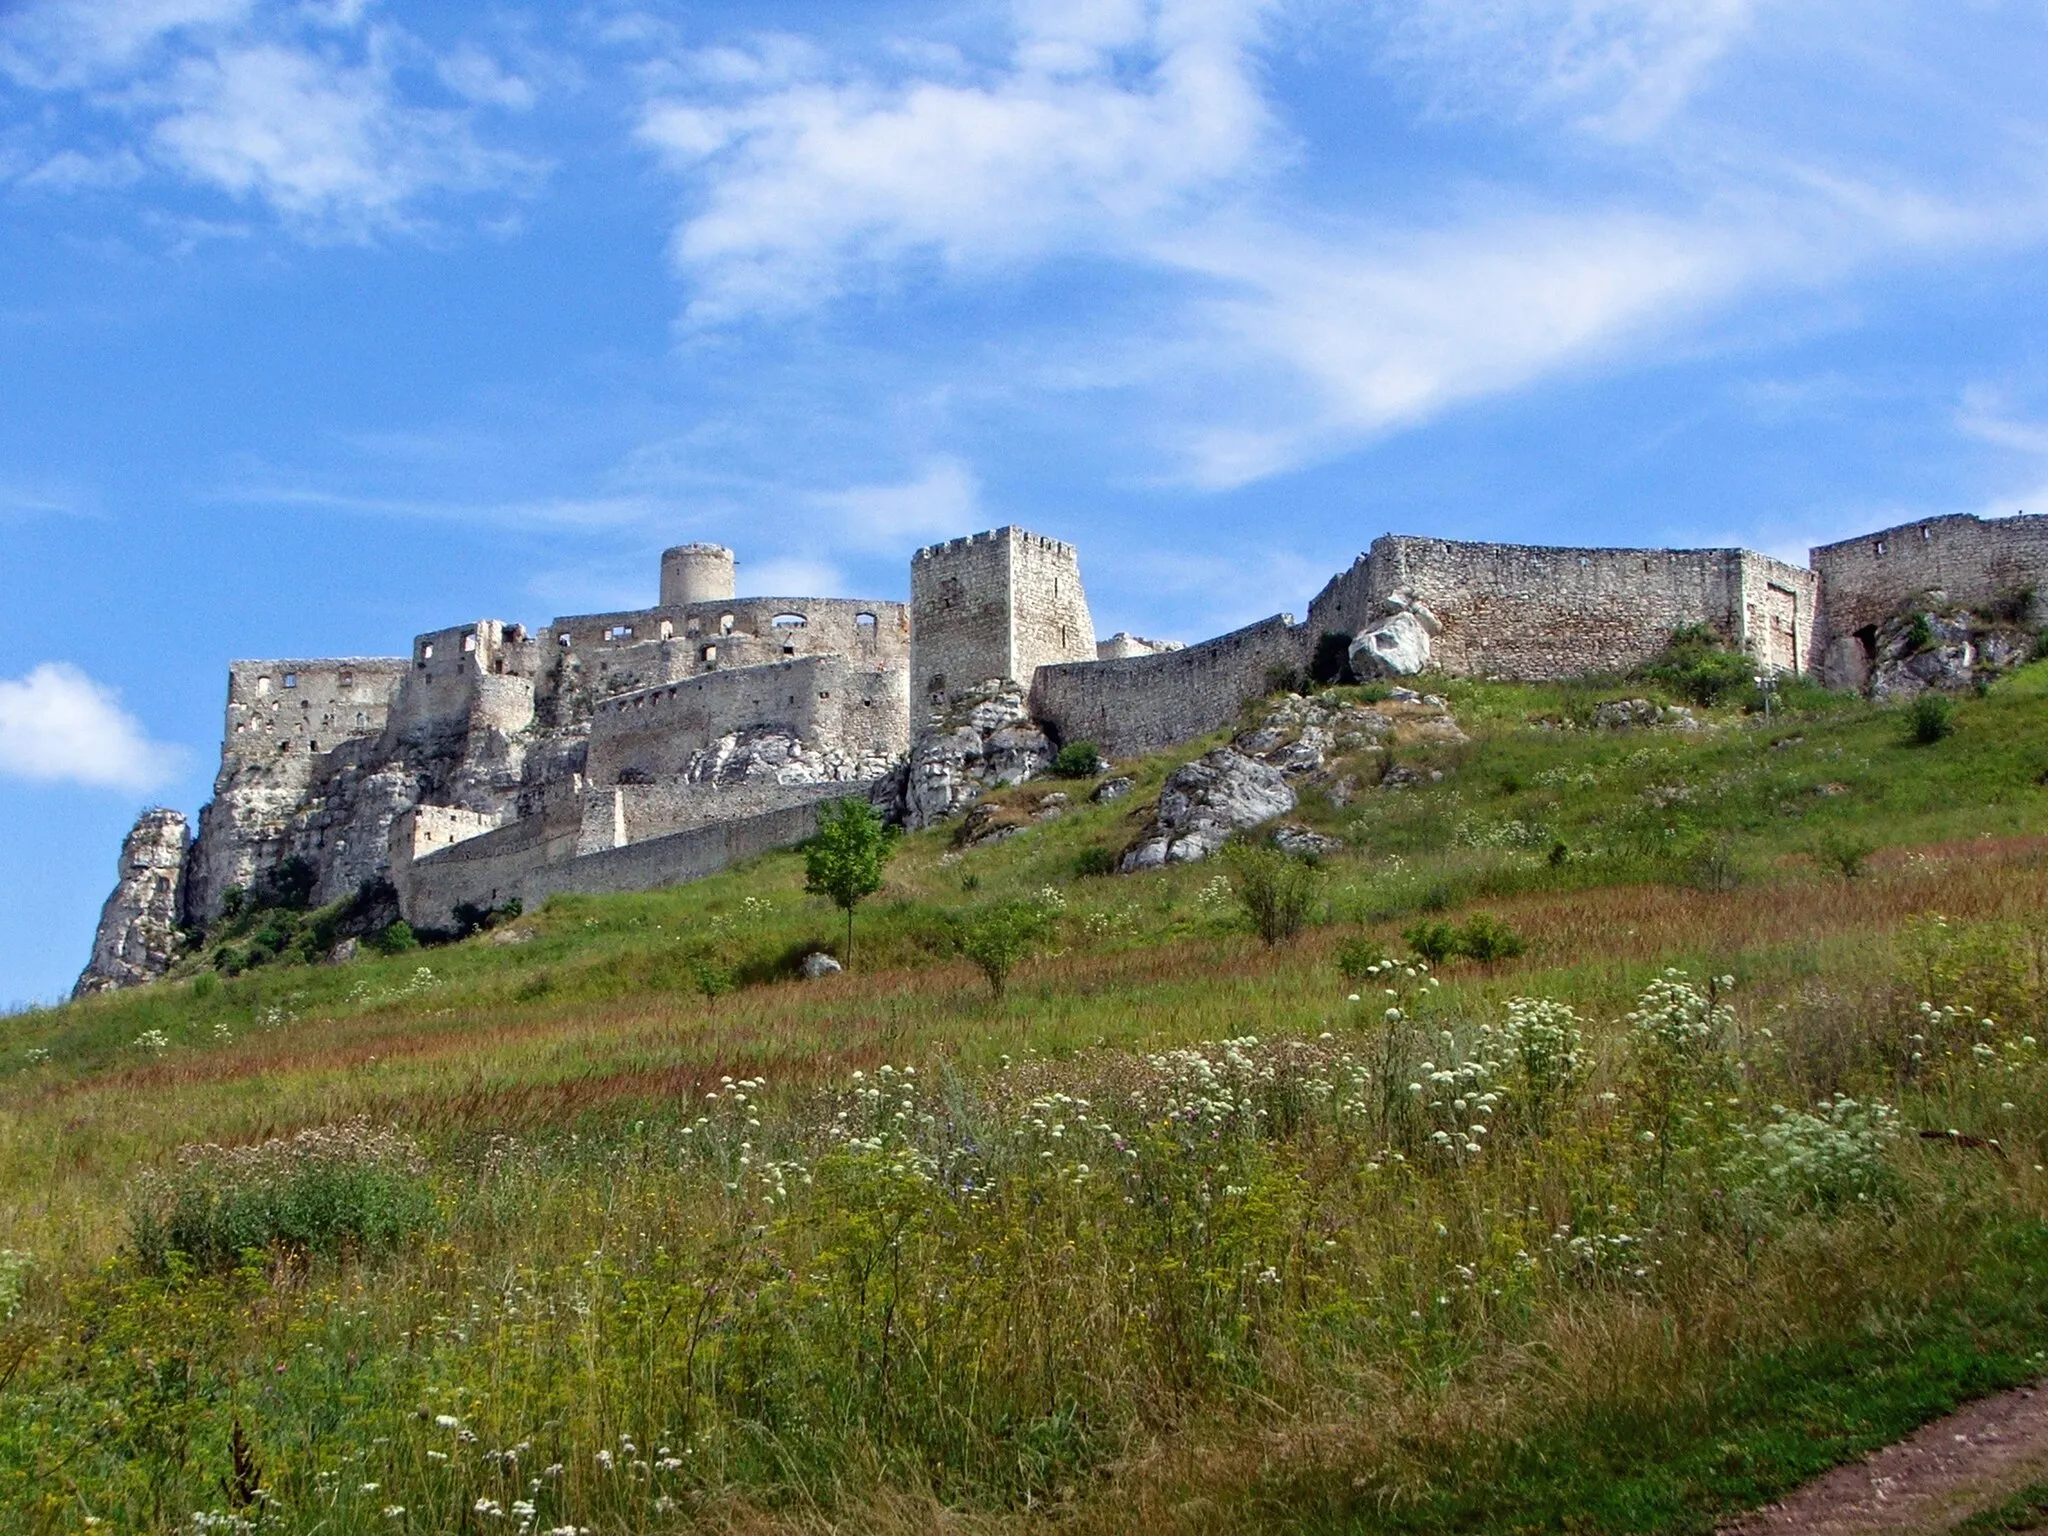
[325, 323]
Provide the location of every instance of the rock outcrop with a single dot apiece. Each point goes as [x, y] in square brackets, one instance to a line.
[1203, 802]
[986, 741]
[138, 932]
[1398, 644]
[1946, 649]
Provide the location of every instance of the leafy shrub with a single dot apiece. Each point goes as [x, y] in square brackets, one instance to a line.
[1701, 670]
[397, 939]
[1077, 760]
[1919, 634]
[1847, 853]
[1358, 958]
[1483, 937]
[1933, 719]
[287, 885]
[1095, 861]
[351, 1186]
[1486, 937]
[2040, 651]
[1277, 892]
[999, 937]
[1434, 941]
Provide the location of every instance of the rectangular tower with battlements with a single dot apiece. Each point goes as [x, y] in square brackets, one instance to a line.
[994, 607]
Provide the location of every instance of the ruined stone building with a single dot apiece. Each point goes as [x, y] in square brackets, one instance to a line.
[620, 751]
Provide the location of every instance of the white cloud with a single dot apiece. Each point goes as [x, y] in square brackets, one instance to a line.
[943, 499]
[1986, 417]
[322, 142]
[1105, 119]
[1388, 334]
[1619, 66]
[57, 724]
[311, 109]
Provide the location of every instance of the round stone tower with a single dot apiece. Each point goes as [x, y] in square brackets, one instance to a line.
[695, 573]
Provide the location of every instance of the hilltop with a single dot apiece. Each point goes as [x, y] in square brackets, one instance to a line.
[606, 1217]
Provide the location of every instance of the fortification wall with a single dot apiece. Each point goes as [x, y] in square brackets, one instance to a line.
[594, 656]
[527, 860]
[292, 711]
[828, 702]
[960, 615]
[1778, 618]
[999, 604]
[1522, 611]
[1143, 703]
[1979, 562]
[1049, 620]
[287, 725]
[465, 676]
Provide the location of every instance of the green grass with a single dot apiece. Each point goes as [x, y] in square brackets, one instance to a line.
[861, 1322]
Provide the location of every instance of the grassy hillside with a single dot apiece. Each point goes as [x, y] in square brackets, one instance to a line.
[1181, 1232]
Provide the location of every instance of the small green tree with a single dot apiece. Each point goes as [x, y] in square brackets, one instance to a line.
[1934, 719]
[1277, 891]
[1077, 760]
[844, 860]
[1001, 936]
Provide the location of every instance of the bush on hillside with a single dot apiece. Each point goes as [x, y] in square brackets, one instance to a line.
[328, 1190]
[1095, 861]
[997, 938]
[1276, 890]
[1933, 719]
[1077, 760]
[1483, 937]
[1700, 669]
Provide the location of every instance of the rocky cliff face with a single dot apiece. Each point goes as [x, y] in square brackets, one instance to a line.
[138, 932]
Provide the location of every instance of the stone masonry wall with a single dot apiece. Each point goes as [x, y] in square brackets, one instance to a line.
[1978, 562]
[1049, 619]
[826, 701]
[996, 606]
[285, 721]
[1521, 611]
[960, 616]
[518, 862]
[1143, 703]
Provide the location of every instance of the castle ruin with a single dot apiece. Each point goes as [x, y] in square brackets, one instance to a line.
[622, 751]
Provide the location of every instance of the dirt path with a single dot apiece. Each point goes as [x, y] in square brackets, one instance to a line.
[1926, 1484]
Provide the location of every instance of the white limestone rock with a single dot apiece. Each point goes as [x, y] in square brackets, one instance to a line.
[1396, 647]
[989, 742]
[818, 964]
[138, 932]
[1203, 802]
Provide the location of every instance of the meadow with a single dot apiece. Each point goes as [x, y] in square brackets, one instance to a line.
[602, 1220]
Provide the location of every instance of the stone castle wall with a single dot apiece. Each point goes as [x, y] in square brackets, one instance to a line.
[290, 725]
[1140, 704]
[596, 655]
[533, 859]
[996, 606]
[1530, 612]
[1980, 563]
[860, 709]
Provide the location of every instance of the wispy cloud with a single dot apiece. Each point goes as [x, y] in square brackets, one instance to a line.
[1103, 119]
[58, 725]
[1276, 330]
[320, 112]
[943, 498]
[1620, 67]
